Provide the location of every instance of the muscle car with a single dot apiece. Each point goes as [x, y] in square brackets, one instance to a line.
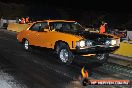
[68, 39]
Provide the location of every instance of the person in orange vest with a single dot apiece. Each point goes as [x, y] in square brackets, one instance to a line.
[102, 28]
[23, 20]
[27, 19]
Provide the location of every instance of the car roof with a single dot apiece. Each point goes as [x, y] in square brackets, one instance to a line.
[56, 21]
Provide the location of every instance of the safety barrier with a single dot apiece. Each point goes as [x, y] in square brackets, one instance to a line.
[125, 49]
[17, 27]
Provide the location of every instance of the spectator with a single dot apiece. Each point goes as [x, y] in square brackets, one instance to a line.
[19, 20]
[27, 19]
[22, 20]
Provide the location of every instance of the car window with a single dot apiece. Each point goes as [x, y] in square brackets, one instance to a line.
[55, 25]
[66, 26]
[38, 26]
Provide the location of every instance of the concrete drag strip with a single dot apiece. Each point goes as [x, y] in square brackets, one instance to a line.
[7, 81]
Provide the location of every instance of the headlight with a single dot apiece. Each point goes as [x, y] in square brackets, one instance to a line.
[89, 43]
[113, 42]
[82, 43]
[110, 42]
[118, 42]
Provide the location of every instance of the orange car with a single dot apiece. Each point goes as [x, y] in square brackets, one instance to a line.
[68, 39]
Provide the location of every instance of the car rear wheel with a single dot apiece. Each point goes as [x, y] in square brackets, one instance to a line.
[26, 45]
[64, 54]
[102, 58]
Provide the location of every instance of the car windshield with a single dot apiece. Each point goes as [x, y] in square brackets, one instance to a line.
[66, 26]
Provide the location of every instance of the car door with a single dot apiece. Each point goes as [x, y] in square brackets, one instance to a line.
[42, 35]
[32, 34]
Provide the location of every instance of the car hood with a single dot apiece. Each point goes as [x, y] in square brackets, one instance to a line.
[89, 35]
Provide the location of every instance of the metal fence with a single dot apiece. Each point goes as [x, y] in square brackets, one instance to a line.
[129, 35]
[5, 22]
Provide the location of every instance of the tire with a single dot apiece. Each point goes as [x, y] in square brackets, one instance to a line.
[102, 58]
[64, 54]
[26, 45]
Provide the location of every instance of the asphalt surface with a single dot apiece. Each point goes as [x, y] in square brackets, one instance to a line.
[39, 68]
[36, 69]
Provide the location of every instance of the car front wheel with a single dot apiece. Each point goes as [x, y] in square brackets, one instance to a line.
[26, 45]
[64, 54]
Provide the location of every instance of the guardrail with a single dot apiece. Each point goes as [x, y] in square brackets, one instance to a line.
[17, 27]
[121, 57]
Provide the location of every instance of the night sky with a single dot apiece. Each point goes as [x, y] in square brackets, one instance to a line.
[97, 5]
[115, 12]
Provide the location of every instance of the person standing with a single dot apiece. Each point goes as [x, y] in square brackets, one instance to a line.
[23, 20]
[102, 28]
[27, 19]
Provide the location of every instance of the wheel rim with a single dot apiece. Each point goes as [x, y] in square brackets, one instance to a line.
[64, 55]
[100, 56]
[26, 45]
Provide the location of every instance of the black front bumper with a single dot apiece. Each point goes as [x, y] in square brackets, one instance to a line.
[94, 50]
